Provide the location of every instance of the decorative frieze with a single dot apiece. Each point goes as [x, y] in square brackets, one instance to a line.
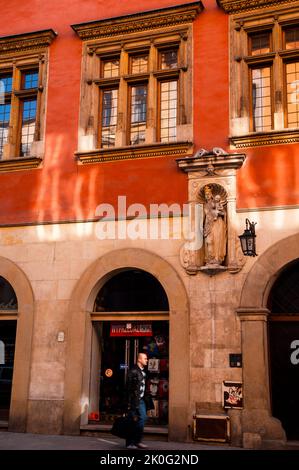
[181, 149]
[237, 6]
[25, 42]
[269, 138]
[18, 164]
[136, 23]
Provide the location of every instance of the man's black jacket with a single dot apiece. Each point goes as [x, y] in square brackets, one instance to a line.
[135, 378]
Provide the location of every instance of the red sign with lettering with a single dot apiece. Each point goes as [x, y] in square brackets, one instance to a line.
[131, 328]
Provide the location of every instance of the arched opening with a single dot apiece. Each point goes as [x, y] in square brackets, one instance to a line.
[283, 304]
[130, 315]
[132, 290]
[8, 326]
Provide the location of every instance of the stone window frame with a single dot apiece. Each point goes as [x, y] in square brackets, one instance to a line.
[246, 18]
[122, 37]
[19, 53]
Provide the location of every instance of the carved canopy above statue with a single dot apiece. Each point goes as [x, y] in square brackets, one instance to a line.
[237, 6]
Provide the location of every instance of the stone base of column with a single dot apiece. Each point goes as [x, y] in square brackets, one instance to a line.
[262, 431]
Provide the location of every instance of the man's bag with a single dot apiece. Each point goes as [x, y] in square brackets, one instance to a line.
[123, 427]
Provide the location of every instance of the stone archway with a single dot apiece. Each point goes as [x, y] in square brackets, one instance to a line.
[260, 429]
[82, 301]
[22, 360]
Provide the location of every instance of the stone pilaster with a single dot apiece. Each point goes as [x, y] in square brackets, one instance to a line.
[260, 429]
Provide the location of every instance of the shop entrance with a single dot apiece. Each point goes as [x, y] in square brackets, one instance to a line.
[8, 327]
[120, 354]
[7, 351]
[284, 349]
[135, 308]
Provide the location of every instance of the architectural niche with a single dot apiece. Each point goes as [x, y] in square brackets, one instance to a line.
[237, 6]
[213, 244]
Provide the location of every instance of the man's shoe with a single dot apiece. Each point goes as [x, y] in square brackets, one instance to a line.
[140, 445]
[132, 446]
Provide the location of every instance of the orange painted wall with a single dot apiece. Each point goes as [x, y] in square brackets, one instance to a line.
[62, 190]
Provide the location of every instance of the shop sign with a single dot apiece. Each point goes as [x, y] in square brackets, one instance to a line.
[131, 329]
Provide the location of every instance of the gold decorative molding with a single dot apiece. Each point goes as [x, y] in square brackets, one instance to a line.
[18, 164]
[133, 152]
[269, 138]
[138, 22]
[28, 41]
[237, 6]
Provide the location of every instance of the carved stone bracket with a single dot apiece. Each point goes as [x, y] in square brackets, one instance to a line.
[213, 246]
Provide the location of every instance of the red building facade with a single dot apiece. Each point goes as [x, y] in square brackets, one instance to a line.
[115, 116]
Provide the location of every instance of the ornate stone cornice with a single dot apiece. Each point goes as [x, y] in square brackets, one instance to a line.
[133, 152]
[237, 6]
[17, 164]
[139, 22]
[269, 138]
[28, 41]
[210, 162]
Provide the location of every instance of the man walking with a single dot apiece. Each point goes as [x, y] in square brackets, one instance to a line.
[136, 402]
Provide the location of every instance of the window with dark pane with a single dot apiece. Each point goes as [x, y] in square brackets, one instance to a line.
[261, 99]
[260, 43]
[169, 59]
[292, 38]
[109, 117]
[168, 111]
[138, 114]
[28, 125]
[284, 296]
[29, 79]
[139, 64]
[5, 108]
[110, 68]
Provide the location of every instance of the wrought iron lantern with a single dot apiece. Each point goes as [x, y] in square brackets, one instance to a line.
[248, 239]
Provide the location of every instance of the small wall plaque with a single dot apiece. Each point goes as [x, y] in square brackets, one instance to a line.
[235, 360]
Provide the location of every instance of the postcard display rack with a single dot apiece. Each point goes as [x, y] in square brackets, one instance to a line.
[158, 373]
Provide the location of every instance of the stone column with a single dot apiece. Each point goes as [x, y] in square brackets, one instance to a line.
[260, 429]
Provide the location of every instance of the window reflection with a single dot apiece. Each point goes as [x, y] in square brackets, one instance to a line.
[292, 81]
[109, 118]
[292, 38]
[168, 111]
[261, 99]
[138, 114]
[5, 108]
[169, 59]
[4, 124]
[110, 68]
[5, 84]
[28, 125]
[139, 64]
[29, 79]
[260, 43]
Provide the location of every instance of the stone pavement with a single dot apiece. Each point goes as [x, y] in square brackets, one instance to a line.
[26, 441]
